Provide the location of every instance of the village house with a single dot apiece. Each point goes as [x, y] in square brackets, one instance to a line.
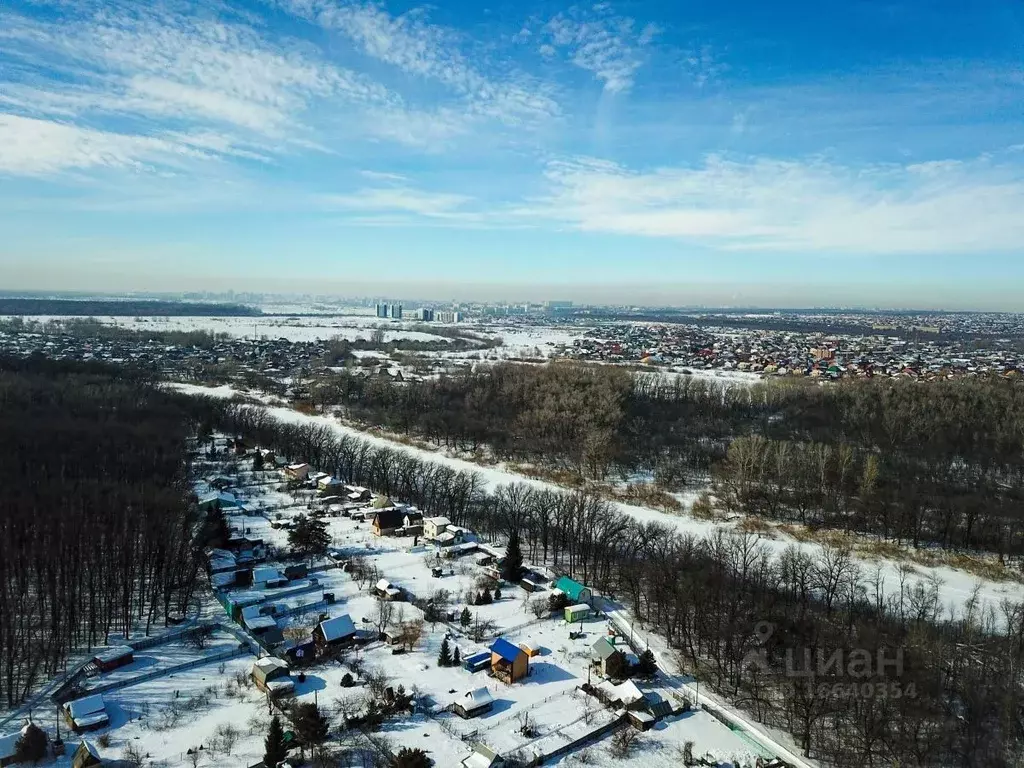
[509, 663]
[604, 655]
[334, 632]
[270, 675]
[267, 577]
[576, 592]
[386, 522]
[387, 590]
[435, 526]
[297, 472]
[86, 714]
[473, 703]
[219, 500]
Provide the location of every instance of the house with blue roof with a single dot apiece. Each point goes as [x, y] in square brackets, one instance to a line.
[576, 592]
[509, 662]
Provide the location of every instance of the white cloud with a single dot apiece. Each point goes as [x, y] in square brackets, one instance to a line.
[600, 42]
[33, 147]
[788, 206]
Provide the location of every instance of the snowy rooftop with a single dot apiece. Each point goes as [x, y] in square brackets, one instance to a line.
[338, 627]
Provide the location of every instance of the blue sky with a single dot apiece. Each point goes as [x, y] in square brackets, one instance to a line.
[798, 153]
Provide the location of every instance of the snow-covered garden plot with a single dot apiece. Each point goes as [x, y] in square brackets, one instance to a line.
[165, 717]
[661, 747]
[159, 659]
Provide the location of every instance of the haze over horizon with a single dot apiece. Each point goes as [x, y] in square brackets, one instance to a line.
[837, 154]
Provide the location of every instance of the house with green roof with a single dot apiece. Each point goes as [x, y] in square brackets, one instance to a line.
[576, 592]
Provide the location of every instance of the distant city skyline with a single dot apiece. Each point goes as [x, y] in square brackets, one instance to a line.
[796, 154]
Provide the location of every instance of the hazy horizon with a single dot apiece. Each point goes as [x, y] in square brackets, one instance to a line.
[723, 297]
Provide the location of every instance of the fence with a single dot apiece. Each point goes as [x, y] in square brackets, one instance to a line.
[172, 635]
[157, 673]
[597, 733]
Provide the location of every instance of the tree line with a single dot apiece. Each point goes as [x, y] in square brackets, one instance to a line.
[97, 527]
[863, 670]
[936, 463]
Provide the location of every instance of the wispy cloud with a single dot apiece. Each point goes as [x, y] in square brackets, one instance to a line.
[601, 42]
[783, 206]
[171, 73]
[416, 47]
[405, 200]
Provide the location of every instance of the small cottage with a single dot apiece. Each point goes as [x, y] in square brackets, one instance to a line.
[387, 590]
[334, 632]
[86, 756]
[219, 500]
[482, 757]
[267, 577]
[604, 655]
[575, 613]
[357, 493]
[473, 703]
[413, 523]
[293, 572]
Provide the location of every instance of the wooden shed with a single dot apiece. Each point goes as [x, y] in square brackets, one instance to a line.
[271, 675]
[86, 756]
[473, 703]
[113, 658]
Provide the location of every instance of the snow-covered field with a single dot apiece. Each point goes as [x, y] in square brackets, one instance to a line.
[291, 328]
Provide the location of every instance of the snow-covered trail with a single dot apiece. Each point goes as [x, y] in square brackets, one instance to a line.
[956, 588]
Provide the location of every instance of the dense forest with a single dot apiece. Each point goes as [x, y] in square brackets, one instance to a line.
[97, 529]
[937, 463]
[949, 691]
